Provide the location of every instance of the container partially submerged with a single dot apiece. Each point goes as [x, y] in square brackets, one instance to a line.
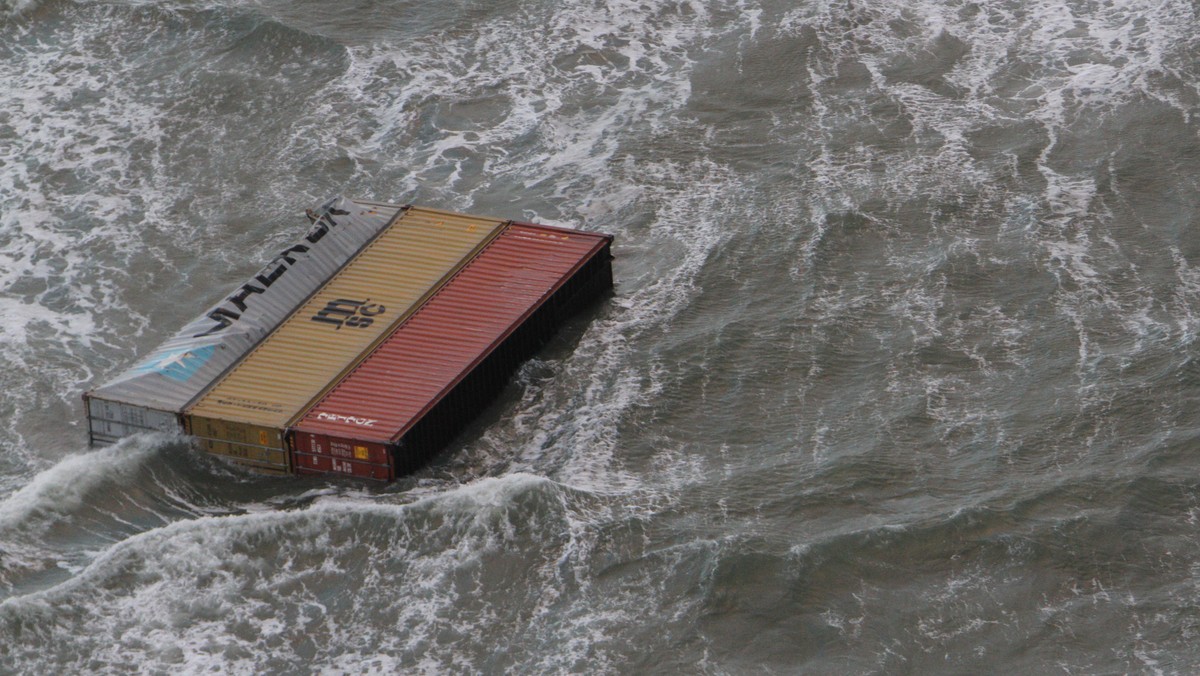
[245, 414]
[151, 395]
[453, 354]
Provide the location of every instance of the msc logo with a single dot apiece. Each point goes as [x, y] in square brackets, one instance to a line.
[358, 314]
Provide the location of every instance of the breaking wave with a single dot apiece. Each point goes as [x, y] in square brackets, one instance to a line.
[897, 359]
[340, 582]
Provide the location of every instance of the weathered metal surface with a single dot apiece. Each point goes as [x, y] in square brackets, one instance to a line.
[470, 334]
[151, 394]
[307, 463]
[345, 319]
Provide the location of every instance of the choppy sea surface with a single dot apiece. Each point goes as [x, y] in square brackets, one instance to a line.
[900, 375]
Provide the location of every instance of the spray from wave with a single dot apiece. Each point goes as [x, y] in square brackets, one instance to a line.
[339, 582]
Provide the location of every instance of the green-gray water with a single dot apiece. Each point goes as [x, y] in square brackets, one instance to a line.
[900, 375]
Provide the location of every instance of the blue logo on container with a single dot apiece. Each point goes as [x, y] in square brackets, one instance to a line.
[179, 364]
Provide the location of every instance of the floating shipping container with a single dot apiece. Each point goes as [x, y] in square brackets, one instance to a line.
[152, 394]
[444, 363]
[245, 414]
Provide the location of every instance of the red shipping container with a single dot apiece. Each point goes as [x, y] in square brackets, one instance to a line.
[307, 463]
[445, 363]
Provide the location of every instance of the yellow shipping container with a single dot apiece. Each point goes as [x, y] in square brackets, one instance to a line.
[244, 414]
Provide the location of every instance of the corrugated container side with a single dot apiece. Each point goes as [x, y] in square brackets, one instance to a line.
[310, 463]
[446, 419]
[109, 421]
[251, 445]
[151, 395]
[335, 328]
[358, 451]
[452, 357]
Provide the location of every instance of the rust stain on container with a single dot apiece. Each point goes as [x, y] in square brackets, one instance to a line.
[453, 355]
[244, 414]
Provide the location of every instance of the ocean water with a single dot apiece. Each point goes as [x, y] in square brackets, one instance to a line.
[900, 376]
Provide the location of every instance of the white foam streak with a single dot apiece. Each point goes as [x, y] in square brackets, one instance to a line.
[1067, 67]
[72, 179]
[1186, 298]
[57, 492]
[64, 488]
[544, 121]
[585, 428]
[168, 595]
[486, 494]
[17, 7]
[633, 60]
[20, 317]
[629, 56]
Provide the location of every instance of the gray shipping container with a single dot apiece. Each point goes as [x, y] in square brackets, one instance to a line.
[150, 395]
